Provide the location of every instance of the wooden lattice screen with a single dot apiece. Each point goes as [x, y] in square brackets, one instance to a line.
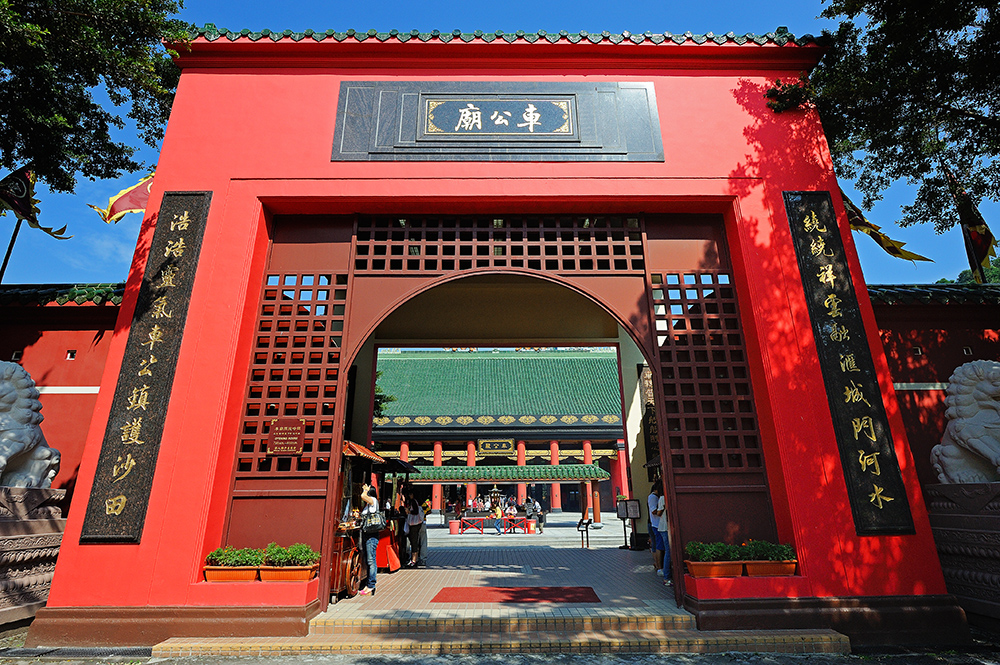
[710, 432]
[603, 244]
[295, 371]
[711, 423]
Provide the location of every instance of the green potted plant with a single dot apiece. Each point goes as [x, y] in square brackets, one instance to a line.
[713, 559]
[229, 564]
[298, 562]
[768, 559]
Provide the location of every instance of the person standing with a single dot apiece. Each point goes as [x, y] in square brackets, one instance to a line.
[664, 535]
[415, 524]
[422, 554]
[368, 495]
[653, 502]
[498, 518]
[539, 517]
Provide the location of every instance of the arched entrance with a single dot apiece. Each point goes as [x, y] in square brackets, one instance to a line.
[504, 312]
[660, 286]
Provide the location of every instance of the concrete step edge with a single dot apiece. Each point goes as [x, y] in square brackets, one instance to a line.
[791, 641]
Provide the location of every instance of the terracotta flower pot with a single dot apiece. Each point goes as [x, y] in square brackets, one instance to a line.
[230, 573]
[770, 568]
[288, 573]
[715, 568]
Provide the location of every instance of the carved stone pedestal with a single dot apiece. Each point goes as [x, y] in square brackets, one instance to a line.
[965, 520]
[31, 530]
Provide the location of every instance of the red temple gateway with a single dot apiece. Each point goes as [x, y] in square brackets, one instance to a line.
[323, 195]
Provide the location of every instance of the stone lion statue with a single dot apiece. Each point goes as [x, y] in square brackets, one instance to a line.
[26, 460]
[969, 451]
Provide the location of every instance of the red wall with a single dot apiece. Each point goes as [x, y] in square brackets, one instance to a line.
[257, 129]
[43, 335]
[947, 336]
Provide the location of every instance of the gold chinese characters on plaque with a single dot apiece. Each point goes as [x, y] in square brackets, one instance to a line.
[286, 436]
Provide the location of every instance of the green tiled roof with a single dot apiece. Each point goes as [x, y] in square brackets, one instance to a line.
[503, 388]
[520, 474]
[935, 294]
[781, 36]
[41, 294]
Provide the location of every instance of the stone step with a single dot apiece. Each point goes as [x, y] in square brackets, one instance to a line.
[522, 624]
[488, 642]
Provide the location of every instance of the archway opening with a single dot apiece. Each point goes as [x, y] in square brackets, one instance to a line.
[496, 370]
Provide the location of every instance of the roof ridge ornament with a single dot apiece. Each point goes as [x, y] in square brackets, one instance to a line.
[780, 36]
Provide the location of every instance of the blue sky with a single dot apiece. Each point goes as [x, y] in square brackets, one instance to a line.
[101, 253]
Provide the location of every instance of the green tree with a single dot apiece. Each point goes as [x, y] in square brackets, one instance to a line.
[55, 55]
[908, 91]
[991, 273]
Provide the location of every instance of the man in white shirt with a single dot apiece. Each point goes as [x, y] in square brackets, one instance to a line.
[664, 528]
[652, 502]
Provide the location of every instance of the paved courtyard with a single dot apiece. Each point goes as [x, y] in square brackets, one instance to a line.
[624, 580]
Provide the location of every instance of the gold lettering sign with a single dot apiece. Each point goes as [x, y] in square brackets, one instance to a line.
[286, 436]
[496, 446]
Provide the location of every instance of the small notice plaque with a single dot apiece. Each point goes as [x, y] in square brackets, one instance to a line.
[496, 446]
[286, 436]
[874, 482]
[628, 509]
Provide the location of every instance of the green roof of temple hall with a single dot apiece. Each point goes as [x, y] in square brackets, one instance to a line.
[503, 389]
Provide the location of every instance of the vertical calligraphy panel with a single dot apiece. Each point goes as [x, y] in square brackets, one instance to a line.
[120, 495]
[874, 482]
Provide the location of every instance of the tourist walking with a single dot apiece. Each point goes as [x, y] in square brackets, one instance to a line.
[498, 519]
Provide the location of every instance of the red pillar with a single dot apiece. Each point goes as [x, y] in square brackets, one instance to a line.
[522, 488]
[614, 476]
[470, 460]
[588, 458]
[436, 491]
[555, 498]
[620, 471]
[404, 455]
[597, 507]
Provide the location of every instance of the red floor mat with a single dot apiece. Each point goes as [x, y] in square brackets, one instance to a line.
[517, 594]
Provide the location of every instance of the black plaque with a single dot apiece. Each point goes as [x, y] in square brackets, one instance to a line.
[116, 511]
[497, 121]
[874, 482]
[496, 446]
[628, 509]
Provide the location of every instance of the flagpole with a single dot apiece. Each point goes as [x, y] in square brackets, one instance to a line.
[10, 248]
